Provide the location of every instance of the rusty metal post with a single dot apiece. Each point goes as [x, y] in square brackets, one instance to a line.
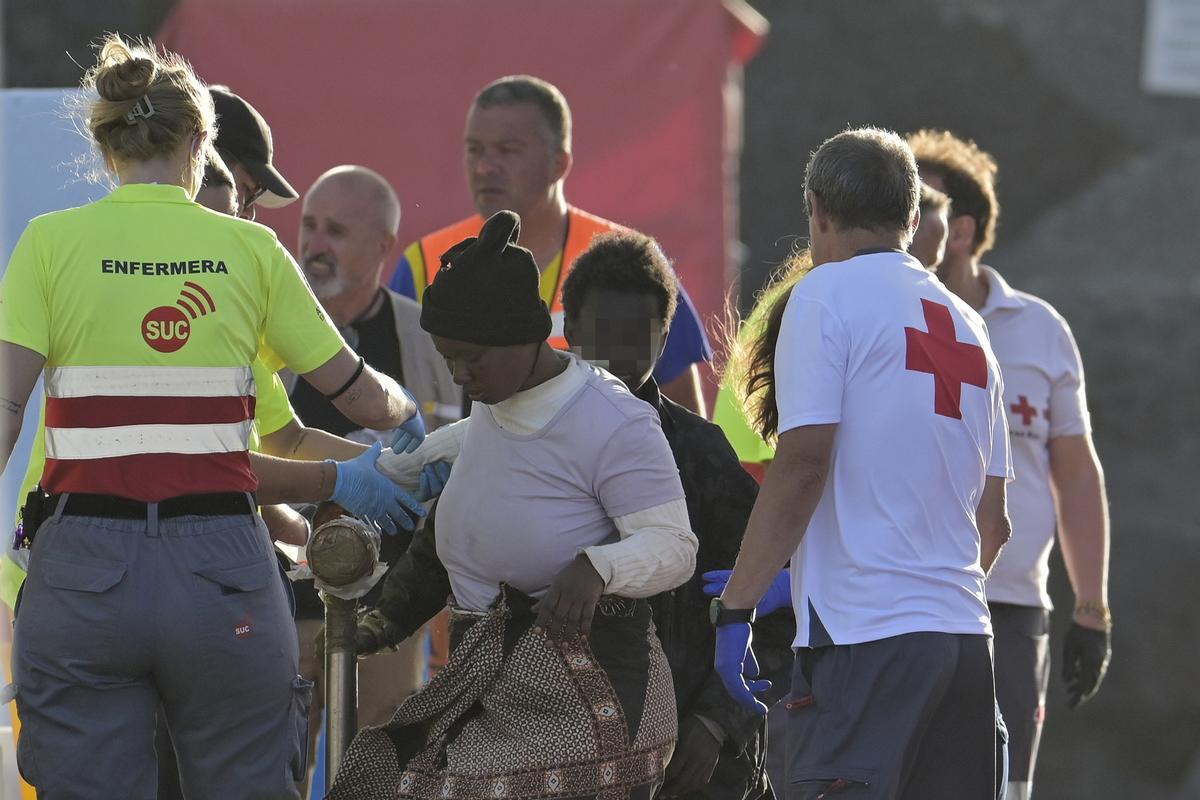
[341, 683]
[342, 553]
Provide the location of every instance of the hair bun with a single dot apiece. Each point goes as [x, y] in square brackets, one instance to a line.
[122, 76]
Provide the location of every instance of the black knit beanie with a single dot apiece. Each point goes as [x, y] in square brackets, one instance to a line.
[486, 291]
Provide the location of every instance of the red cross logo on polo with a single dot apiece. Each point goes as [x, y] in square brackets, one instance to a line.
[951, 362]
[167, 328]
[1022, 409]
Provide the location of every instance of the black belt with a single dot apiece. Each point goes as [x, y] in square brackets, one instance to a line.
[216, 504]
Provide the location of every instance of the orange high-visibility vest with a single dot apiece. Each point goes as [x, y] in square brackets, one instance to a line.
[582, 227]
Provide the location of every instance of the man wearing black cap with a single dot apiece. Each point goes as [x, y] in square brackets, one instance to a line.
[244, 143]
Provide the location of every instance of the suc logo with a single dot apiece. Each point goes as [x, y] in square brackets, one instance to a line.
[167, 328]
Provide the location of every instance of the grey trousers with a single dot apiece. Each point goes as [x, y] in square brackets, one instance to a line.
[118, 617]
[911, 717]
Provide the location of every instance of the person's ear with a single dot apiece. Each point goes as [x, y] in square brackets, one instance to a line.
[562, 165]
[199, 144]
[387, 240]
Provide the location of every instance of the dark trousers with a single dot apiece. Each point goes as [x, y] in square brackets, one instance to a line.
[1022, 677]
[911, 717]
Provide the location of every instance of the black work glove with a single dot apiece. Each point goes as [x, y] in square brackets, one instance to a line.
[1086, 652]
[375, 632]
[694, 760]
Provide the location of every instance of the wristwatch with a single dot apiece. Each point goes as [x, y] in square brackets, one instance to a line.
[719, 615]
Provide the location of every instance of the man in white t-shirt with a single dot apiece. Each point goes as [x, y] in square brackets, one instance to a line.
[888, 494]
[1053, 456]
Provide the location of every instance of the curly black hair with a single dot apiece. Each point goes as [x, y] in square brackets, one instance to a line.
[626, 261]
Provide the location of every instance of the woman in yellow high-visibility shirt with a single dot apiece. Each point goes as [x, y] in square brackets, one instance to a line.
[151, 578]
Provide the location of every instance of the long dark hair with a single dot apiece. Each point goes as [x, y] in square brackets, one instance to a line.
[751, 365]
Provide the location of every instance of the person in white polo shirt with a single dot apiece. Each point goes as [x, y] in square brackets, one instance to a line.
[1053, 455]
[888, 494]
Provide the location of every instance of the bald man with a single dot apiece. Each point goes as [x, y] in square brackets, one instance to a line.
[347, 234]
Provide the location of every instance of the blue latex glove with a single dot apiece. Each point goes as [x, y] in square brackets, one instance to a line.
[433, 480]
[366, 492]
[779, 594]
[408, 436]
[737, 667]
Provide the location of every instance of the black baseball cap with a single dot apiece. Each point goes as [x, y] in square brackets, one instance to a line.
[245, 135]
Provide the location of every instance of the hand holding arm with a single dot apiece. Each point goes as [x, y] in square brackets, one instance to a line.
[411, 433]
[366, 492]
[442, 445]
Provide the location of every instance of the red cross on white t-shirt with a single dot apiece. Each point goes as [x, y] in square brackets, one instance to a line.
[1025, 411]
[951, 362]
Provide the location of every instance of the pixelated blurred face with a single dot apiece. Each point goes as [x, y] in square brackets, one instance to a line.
[622, 332]
[509, 159]
[487, 375]
[340, 239]
[222, 199]
[929, 241]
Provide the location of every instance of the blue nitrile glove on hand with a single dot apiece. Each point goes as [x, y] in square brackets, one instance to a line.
[433, 479]
[366, 492]
[737, 667]
[779, 594]
[408, 436]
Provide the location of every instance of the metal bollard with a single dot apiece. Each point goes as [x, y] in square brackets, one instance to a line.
[341, 683]
[342, 552]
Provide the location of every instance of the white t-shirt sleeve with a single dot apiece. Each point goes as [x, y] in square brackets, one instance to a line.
[1000, 463]
[1068, 400]
[810, 364]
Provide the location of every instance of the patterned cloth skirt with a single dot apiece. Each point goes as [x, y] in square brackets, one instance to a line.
[516, 716]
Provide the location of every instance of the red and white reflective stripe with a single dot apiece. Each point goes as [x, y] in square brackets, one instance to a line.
[107, 412]
[131, 440]
[151, 477]
[65, 382]
[148, 432]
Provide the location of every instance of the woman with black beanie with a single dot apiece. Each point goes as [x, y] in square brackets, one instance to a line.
[564, 501]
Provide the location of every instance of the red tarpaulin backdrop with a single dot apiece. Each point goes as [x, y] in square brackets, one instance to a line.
[387, 85]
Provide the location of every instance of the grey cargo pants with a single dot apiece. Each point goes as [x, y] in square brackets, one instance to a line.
[119, 616]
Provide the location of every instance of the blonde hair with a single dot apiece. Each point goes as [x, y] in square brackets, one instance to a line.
[750, 368]
[148, 102]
